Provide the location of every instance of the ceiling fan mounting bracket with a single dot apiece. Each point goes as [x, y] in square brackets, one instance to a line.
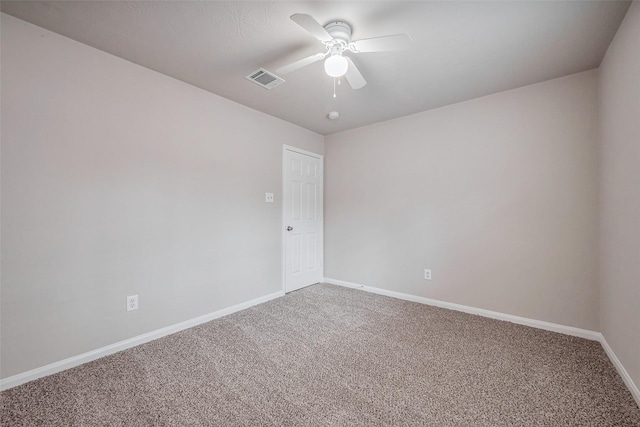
[340, 31]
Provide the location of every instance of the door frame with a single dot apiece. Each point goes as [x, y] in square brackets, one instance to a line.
[283, 234]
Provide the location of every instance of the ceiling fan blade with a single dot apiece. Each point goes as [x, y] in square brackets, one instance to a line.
[312, 26]
[300, 63]
[353, 75]
[382, 44]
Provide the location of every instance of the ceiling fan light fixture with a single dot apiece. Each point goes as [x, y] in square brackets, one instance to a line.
[336, 66]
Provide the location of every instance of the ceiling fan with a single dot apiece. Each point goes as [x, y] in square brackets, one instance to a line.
[336, 37]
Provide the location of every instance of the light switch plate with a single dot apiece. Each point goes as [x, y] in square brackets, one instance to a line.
[268, 197]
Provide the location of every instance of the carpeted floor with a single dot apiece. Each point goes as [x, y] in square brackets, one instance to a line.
[331, 356]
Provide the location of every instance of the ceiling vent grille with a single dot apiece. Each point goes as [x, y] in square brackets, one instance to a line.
[264, 78]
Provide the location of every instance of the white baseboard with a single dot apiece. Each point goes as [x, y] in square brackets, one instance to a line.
[567, 330]
[633, 388]
[554, 327]
[74, 361]
[345, 284]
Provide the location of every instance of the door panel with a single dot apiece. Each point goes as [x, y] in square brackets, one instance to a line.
[302, 207]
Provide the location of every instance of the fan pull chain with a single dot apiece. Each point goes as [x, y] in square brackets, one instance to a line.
[334, 85]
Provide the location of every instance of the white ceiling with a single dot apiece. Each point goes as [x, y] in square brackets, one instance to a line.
[461, 50]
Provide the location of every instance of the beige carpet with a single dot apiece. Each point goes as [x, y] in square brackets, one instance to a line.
[326, 356]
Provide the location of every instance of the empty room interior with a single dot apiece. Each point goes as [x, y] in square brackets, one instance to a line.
[320, 213]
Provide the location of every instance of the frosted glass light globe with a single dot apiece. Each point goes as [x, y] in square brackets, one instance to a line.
[336, 65]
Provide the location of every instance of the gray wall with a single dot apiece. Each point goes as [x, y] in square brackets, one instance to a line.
[117, 180]
[498, 196]
[620, 194]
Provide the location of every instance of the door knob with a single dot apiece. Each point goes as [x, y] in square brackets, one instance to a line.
[289, 228]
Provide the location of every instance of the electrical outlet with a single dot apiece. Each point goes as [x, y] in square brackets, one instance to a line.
[132, 302]
[268, 197]
[427, 274]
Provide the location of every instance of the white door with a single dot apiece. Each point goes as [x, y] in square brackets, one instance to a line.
[302, 217]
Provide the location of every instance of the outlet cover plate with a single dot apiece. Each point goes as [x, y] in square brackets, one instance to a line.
[427, 274]
[268, 197]
[132, 302]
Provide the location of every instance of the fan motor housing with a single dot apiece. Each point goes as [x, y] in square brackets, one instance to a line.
[340, 31]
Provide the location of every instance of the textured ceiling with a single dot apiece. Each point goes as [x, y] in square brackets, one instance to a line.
[461, 50]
